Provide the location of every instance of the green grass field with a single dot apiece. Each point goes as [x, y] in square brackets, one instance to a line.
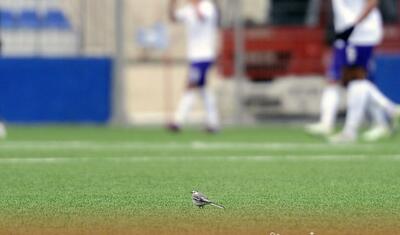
[89, 180]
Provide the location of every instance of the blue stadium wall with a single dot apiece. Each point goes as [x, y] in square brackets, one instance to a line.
[39, 90]
[78, 90]
[388, 75]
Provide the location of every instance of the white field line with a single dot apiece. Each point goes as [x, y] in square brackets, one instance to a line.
[288, 158]
[196, 145]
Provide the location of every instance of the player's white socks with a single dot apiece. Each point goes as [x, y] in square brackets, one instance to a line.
[210, 108]
[185, 106]
[357, 101]
[379, 98]
[329, 106]
[378, 115]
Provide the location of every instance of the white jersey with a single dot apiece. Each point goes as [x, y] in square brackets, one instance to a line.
[201, 33]
[369, 32]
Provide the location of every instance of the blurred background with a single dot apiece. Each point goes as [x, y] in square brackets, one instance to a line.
[121, 61]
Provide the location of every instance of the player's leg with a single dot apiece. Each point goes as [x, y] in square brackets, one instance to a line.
[329, 107]
[357, 106]
[331, 96]
[386, 116]
[209, 100]
[360, 97]
[392, 109]
[187, 99]
[380, 128]
[184, 107]
[358, 59]
[357, 101]
[3, 132]
[210, 104]
[383, 112]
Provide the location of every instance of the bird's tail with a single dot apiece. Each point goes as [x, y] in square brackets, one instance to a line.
[216, 205]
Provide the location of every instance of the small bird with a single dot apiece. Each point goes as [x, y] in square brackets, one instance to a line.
[201, 200]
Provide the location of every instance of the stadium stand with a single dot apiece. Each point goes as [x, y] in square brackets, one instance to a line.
[32, 32]
[55, 18]
[28, 27]
[29, 19]
[288, 12]
[57, 36]
[7, 19]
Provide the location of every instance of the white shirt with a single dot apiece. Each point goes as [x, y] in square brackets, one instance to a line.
[201, 33]
[369, 32]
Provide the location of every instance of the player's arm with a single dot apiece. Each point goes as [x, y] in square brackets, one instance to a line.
[200, 15]
[171, 10]
[371, 5]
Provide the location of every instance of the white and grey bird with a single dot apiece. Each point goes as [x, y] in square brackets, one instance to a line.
[201, 200]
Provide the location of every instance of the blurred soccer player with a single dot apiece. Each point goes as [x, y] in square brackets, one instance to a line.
[358, 26]
[200, 18]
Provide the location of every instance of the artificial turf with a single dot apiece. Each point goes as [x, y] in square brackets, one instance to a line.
[97, 180]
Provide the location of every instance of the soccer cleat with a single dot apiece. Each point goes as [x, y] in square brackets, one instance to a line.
[342, 138]
[3, 131]
[319, 129]
[212, 130]
[173, 128]
[200, 200]
[377, 133]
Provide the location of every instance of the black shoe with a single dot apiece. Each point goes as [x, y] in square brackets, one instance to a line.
[211, 130]
[173, 128]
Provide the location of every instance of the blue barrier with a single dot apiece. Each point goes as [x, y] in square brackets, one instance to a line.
[387, 75]
[76, 90]
[40, 90]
